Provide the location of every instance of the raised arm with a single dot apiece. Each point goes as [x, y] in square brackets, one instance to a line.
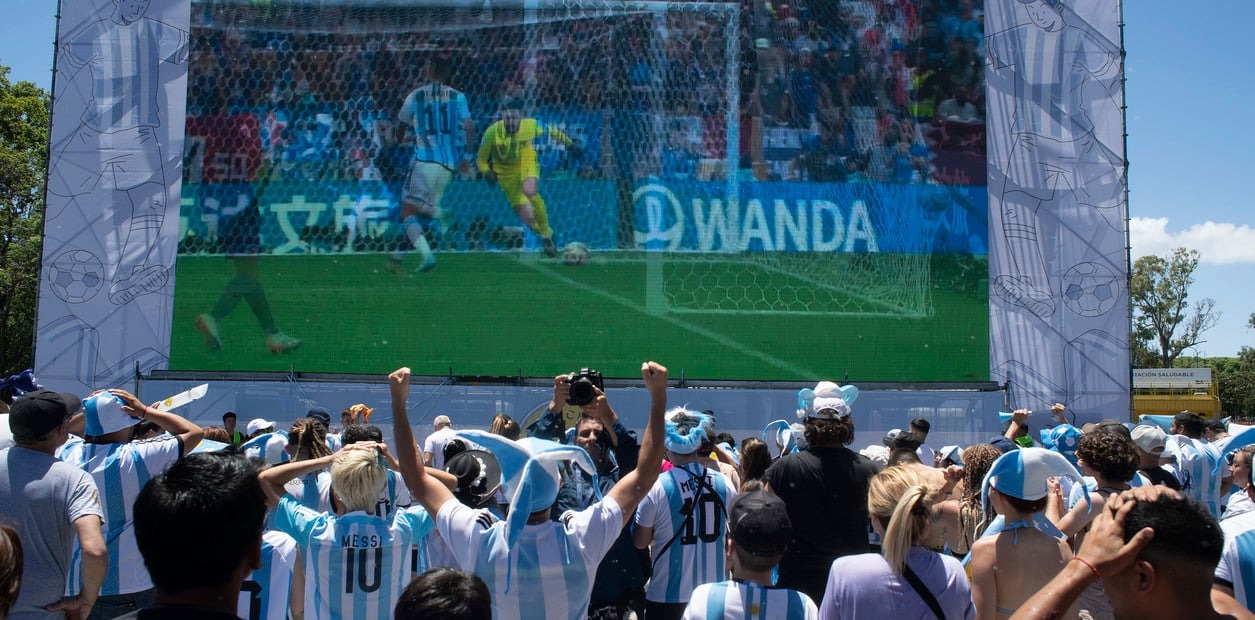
[429, 491]
[629, 491]
[1018, 418]
[188, 432]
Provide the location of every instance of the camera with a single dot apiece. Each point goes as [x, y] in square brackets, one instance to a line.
[582, 384]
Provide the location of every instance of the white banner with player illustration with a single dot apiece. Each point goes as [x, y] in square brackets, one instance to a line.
[1059, 311]
[112, 213]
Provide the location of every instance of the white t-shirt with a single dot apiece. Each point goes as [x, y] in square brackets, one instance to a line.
[435, 444]
[548, 573]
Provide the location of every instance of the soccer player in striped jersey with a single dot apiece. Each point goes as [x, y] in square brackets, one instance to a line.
[758, 534]
[507, 156]
[118, 143]
[120, 468]
[684, 518]
[534, 567]
[356, 564]
[444, 135]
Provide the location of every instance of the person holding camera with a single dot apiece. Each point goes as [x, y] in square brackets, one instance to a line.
[619, 586]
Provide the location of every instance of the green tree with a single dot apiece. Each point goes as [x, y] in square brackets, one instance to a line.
[24, 114]
[1163, 321]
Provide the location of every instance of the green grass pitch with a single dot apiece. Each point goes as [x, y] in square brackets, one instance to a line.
[502, 314]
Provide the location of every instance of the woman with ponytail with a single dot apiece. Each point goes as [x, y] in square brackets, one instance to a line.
[906, 580]
[307, 440]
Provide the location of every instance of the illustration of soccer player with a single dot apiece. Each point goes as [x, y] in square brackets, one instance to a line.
[507, 156]
[117, 142]
[444, 135]
[1059, 71]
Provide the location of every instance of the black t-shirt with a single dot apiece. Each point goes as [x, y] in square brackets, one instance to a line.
[825, 494]
[1159, 475]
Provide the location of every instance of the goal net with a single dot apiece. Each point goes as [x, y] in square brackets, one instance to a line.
[756, 158]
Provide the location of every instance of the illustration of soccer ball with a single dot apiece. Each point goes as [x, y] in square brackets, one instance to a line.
[1090, 289]
[75, 276]
[575, 253]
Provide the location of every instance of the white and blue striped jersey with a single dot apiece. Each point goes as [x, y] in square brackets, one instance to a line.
[271, 446]
[1200, 469]
[264, 595]
[687, 508]
[437, 113]
[356, 564]
[548, 573]
[335, 441]
[1237, 562]
[124, 61]
[310, 489]
[737, 599]
[120, 471]
[437, 551]
[393, 496]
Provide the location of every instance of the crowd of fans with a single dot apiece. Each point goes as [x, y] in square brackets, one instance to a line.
[578, 516]
[865, 90]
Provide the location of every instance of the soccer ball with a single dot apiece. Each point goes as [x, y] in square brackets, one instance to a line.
[575, 253]
[75, 276]
[1090, 289]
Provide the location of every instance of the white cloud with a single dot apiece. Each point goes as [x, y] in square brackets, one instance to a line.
[1216, 242]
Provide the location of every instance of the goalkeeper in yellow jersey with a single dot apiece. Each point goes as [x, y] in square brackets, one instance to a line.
[506, 156]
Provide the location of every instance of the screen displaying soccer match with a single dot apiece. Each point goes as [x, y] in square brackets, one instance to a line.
[769, 190]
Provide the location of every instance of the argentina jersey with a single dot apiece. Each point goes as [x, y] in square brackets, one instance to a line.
[1237, 562]
[737, 599]
[356, 565]
[437, 113]
[687, 509]
[264, 595]
[549, 571]
[1199, 469]
[120, 471]
[271, 446]
[308, 490]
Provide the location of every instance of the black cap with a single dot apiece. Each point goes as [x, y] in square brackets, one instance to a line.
[39, 412]
[478, 474]
[759, 524]
[322, 414]
[1003, 444]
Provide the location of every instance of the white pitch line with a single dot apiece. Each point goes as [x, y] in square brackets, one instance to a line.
[797, 371]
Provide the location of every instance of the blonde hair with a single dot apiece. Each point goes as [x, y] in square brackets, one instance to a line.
[358, 477]
[903, 502]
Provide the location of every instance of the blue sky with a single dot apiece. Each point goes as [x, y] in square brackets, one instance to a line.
[1189, 149]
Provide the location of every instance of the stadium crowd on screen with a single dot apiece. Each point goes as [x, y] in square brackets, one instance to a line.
[113, 508]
